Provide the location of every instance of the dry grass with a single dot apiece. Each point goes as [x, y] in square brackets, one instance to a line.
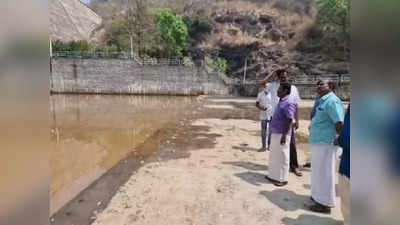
[286, 19]
[223, 36]
[247, 7]
[301, 31]
[300, 7]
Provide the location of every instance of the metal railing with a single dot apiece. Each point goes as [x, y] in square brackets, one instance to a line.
[118, 55]
[90, 54]
[312, 79]
[162, 61]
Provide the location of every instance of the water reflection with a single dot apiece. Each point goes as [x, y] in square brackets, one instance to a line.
[91, 133]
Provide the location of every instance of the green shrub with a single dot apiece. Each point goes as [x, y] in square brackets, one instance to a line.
[59, 46]
[187, 61]
[221, 64]
[72, 46]
[209, 61]
[172, 32]
[334, 13]
[109, 48]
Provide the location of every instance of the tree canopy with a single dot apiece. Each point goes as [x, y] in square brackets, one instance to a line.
[172, 32]
[334, 13]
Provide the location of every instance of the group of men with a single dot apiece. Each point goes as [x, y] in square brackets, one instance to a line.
[329, 130]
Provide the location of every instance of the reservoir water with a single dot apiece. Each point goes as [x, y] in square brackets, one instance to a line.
[92, 133]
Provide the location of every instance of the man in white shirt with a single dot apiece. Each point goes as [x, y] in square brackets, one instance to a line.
[263, 103]
[273, 81]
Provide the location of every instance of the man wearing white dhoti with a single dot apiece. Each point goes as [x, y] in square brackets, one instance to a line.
[294, 97]
[325, 127]
[280, 126]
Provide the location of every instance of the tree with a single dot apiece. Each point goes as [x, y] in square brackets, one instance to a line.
[117, 34]
[334, 13]
[139, 23]
[172, 32]
[135, 26]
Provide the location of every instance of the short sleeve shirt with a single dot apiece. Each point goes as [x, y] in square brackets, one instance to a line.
[284, 111]
[273, 87]
[264, 99]
[329, 111]
[294, 96]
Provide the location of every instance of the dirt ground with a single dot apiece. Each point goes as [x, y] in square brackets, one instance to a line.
[220, 182]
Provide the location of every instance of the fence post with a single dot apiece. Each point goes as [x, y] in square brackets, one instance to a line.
[131, 47]
[245, 68]
[51, 48]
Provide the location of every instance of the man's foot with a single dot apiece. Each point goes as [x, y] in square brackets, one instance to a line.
[297, 172]
[275, 182]
[280, 184]
[320, 208]
[262, 150]
[271, 180]
[307, 165]
[268, 149]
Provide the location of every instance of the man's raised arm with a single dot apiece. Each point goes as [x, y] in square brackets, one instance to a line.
[268, 77]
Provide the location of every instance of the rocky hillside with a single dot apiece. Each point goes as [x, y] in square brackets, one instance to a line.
[268, 33]
[272, 34]
[72, 20]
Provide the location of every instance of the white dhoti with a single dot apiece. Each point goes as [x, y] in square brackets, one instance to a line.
[323, 168]
[278, 167]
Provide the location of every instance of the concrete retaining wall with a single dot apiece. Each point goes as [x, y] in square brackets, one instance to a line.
[120, 76]
[124, 76]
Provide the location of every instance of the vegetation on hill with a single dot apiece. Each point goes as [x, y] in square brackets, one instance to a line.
[305, 36]
[172, 33]
[59, 46]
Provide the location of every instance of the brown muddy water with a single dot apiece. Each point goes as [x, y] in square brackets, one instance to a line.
[91, 133]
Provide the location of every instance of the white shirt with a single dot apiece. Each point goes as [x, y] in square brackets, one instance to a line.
[264, 99]
[273, 87]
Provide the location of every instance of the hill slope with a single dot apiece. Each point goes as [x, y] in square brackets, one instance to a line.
[272, 34]
[72, 20]
[268, 33]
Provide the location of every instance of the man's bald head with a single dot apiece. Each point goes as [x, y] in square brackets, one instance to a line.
[325, 86]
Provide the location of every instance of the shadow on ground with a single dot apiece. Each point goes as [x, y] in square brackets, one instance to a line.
[245, 148]
[311, 220]
[287, 200]
[247, 165]
[253, 178]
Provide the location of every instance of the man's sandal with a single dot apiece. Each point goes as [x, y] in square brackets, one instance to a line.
[320, 208]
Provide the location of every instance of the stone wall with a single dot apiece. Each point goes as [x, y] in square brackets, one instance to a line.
[121, 76]
[124, 76]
